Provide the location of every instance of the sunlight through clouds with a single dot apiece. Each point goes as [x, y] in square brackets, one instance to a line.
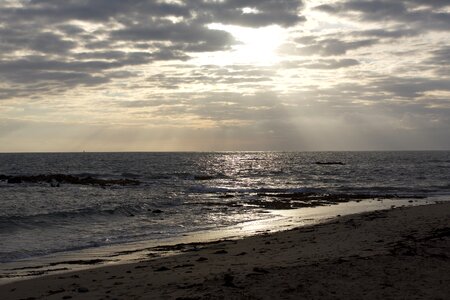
[256, 46]
[269, 74]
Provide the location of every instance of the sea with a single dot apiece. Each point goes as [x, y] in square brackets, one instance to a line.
[53, 203]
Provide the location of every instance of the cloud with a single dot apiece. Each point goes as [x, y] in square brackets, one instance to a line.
[417, 14]
[350, 73]
[313, 45]
[439, 61]
[190, 37]
[213, 75]
[386, 33]
[260, 13]
[322, 64]
[411, 88]
[14, 39]
[76, 42]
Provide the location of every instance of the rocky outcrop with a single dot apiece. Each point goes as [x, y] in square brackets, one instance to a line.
[56, 179]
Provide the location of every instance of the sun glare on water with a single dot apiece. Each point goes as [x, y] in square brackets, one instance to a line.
[254, 45]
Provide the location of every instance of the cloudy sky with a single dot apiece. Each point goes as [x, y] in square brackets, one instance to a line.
[142, 75]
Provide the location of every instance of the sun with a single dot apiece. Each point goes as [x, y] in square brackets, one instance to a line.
[256, 46]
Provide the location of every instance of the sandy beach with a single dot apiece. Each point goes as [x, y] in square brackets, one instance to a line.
[401, 253]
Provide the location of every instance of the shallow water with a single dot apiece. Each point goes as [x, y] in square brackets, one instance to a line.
[279, 220]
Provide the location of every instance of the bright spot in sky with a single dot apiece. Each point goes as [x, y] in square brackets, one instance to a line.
[256, 45]
[249, 10]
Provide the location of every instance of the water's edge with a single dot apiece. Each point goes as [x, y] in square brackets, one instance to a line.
[278, 220]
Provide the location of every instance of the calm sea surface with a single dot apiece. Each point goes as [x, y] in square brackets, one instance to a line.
[185, 192]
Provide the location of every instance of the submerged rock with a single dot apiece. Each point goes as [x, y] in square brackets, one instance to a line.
[14, 180]
[56, 179]
[83, 290]
[330, 163]
[203, 177]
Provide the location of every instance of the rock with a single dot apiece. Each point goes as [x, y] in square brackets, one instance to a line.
[260, 270]
[203, 177]
[56, 179]
[157, 211]
[14, 180]
[228, 278]
[52, 292]
[202, 259]
[54, 183]
[83, 290]
[329, 163]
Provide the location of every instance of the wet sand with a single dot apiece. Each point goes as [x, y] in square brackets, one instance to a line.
[399, 253]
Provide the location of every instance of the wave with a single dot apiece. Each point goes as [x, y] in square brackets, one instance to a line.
[54, 218]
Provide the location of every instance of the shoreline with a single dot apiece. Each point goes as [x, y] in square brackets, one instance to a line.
[400, 252]
[279, 220]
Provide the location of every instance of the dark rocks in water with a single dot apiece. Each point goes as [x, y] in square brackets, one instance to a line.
[299, 200]
[78, 262]
[228, 278]
[203, 177]
[327, 163]
[226, 196]
[157, 211]
[441, 233]
[14, 180]
[53, 292]
[260, 270]
[54, 183]
[57, 179]
[83, 290]
[202, 259]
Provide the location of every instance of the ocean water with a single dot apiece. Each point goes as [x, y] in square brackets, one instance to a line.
[180, 193]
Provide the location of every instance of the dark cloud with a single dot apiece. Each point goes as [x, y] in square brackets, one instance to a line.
[438, 62]
[51, 11]
[262, 12]
[14, 39]
[189, 37]
[417, 14]
[42, 39]
[411, 88]
[330, 46]
[386, 33]
[384, 89]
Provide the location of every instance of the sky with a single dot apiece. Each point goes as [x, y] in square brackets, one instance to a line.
[214, 75]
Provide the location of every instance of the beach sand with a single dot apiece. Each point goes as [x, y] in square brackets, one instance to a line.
[403, 253]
